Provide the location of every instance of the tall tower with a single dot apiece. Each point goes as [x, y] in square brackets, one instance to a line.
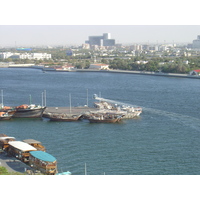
[106, 36]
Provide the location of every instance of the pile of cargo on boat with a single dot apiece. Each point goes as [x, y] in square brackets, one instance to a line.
[102, 117]
[127, 112]
[31, 152]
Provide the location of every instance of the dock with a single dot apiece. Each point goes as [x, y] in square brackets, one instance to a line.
[69, 110]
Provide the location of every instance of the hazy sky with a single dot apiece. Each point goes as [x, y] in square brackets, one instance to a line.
[60, 22]
[25, 35]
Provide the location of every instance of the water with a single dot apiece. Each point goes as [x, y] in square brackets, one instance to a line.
[164, 140]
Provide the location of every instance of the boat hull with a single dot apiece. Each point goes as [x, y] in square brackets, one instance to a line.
[103, 120]
[5, 118]
[62, 117]
[29, 113]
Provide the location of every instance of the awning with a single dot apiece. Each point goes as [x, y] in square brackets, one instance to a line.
[41, 155]
[4, 138]
[22, 146]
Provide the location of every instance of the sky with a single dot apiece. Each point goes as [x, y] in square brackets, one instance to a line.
[64, 22]
[30, 35]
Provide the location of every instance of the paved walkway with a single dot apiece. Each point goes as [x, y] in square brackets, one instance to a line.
[12, 164]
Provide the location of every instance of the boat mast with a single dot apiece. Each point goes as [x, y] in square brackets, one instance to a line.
[87, 97]
[42, 98]
[30, 99]
[45, 101]
[2, 99]
[70, 110]
[85, 169]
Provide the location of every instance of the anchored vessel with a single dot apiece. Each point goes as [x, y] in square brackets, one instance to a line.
[43, 162]
[31, 152]
[127, 111]
[62, 117]
[4, 139]
[5, 116]
[104, 119]
[29, 111]
[37, 144]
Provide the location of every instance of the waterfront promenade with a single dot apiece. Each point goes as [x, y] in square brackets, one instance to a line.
[12, 164]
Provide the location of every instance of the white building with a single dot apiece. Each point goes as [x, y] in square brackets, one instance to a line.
[30, 56]
[5, 55]
[99, 66]
[40, 56]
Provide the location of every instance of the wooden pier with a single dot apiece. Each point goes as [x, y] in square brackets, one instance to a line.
[69, 110]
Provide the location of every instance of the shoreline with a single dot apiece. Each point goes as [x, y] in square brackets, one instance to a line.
[111, 71]
[141, 73]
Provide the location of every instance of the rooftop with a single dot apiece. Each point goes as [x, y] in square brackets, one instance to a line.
[22, 146]
[43, 156]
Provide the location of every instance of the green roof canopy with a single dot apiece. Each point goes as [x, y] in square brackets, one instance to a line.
[41, 155]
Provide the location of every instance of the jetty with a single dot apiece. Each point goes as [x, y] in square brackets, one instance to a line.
[69, 110]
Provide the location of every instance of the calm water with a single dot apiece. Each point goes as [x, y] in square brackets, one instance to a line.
[164, 140]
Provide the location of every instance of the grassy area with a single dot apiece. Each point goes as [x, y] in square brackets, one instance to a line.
[3, 171]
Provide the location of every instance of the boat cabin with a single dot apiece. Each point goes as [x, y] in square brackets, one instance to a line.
[37, 144]
[20, 150]
[4, 139]
[44, 162]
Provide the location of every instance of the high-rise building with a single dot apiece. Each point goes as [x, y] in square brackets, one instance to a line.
[104, 40]
[196, 43]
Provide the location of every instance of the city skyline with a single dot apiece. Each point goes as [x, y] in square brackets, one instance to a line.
[40, 35]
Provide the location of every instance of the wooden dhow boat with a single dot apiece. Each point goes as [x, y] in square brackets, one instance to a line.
[37, 144]
[44, 162]
[4, 139]
[5, 116]
[104, 118]
[62, 117]
[29, 111]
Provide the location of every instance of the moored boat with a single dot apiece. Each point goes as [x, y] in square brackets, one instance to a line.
[62, 117]
[104, 118]
[37, 144]
[4, 139]
[106, 104]
[44, 162]
[20, 150]
[5, 116]
[29, 111]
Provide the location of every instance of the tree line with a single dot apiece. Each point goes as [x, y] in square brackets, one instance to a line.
[165, 65]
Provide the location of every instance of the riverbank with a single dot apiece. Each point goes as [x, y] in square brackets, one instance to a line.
[141, 73]
[32, 66]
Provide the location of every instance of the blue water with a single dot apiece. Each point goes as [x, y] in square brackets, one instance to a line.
[164, 140]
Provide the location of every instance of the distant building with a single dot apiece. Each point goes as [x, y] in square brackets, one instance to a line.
[99, 66]
[104, 40]
[195, 72]
[31, 56]
[5, 55]
[196, 43]
[86, 46]
[69, 52]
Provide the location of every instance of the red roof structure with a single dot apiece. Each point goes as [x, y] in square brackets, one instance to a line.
[197, 70]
